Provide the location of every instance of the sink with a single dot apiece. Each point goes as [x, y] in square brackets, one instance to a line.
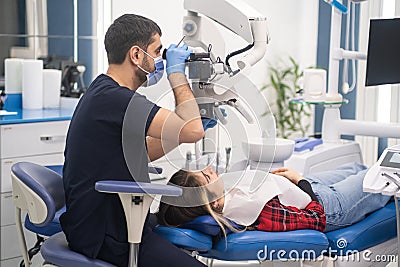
[268, 149]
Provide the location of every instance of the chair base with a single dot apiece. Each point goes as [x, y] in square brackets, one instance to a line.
[34, 250]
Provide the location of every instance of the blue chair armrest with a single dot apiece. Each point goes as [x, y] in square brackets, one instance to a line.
[137, 188]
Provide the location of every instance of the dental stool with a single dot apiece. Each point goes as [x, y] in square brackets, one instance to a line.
[40, 192]
[42, 232]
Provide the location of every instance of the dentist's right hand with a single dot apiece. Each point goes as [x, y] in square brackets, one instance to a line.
[176, 57]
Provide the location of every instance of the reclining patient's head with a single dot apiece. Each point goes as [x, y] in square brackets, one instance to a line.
[202, 195]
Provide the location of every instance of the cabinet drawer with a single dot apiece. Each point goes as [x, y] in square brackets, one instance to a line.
[10, 244]
[8, 210]
[26, 139]
[50, 159]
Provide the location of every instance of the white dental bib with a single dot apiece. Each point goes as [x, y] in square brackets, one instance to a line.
[248, 191]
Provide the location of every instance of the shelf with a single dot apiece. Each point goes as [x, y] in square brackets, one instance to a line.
[318, 103]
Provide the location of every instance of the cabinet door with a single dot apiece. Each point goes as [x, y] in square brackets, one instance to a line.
[9, 241]
[28, 139]
[51, 159]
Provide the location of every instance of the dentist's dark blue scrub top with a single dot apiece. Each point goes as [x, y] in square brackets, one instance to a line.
[93, 153]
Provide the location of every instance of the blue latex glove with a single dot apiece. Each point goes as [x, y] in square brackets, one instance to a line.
[209, 123]
[176, 57]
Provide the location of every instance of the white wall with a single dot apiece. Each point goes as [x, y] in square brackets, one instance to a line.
[292, 24]
[293, 27]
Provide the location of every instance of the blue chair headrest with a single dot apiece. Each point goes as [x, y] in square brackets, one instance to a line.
[206, 224]
[47, 184]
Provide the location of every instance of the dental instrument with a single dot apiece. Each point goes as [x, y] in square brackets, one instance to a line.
[228, 157]
[164, 54]
[188, 160]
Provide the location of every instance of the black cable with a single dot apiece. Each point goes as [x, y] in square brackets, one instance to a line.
[235, 53]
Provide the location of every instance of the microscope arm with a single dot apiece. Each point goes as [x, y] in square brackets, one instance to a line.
[242, 20]
[234, 15]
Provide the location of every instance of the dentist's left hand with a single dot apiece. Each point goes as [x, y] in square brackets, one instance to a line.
[176, 57]
[209, 123]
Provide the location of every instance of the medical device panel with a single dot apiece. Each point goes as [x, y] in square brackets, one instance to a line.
[384, 176]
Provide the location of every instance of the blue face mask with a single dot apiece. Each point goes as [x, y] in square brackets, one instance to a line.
[155, 76]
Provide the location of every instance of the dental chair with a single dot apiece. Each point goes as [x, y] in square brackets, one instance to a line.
[201, 237]
[376, 233]
[39, 191]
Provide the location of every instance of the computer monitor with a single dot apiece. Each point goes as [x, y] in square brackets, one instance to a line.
[383, 60]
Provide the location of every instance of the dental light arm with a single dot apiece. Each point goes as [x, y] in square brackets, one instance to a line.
[242, 20]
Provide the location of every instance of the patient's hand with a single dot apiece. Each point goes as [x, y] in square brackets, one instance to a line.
[288, 173]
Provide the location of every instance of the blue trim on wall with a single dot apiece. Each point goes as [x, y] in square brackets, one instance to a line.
[347, 111]
[60, 15]
[22, 21]
[382, 145]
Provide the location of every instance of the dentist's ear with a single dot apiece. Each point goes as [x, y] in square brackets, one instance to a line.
[134, 55]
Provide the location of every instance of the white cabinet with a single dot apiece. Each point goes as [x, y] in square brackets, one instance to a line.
[42, 143]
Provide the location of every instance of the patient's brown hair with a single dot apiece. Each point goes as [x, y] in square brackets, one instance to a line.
[175, 216]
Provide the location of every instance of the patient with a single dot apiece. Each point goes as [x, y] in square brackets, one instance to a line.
[335, 200]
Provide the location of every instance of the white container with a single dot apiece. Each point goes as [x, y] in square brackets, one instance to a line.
[69, 102]
[51, 88]
[268, 149]
[32, 84]
[314, 85]
[13, 75]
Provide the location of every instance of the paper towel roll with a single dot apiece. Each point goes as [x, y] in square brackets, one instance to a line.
[51, 88]
[314, 85]
[13, 75]
[32, 84]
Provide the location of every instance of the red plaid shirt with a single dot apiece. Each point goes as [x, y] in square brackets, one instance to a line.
[276, 217]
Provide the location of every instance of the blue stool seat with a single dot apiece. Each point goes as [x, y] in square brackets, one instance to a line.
[56, 251]
[378, 227]
[246, 245]
[52, 228]
[186, 238]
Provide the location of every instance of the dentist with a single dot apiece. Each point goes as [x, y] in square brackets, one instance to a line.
[94, 223]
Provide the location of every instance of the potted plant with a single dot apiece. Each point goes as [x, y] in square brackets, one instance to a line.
[292, 119]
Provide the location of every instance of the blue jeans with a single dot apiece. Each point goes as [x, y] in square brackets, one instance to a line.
[340, 193]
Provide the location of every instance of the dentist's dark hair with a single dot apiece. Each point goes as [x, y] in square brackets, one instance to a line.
[126, 31]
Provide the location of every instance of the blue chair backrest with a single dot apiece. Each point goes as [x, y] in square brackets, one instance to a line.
[47, 184]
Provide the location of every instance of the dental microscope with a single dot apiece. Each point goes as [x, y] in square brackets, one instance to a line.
[214, 79]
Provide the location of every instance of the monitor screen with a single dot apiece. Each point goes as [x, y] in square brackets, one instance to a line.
[383, 61]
